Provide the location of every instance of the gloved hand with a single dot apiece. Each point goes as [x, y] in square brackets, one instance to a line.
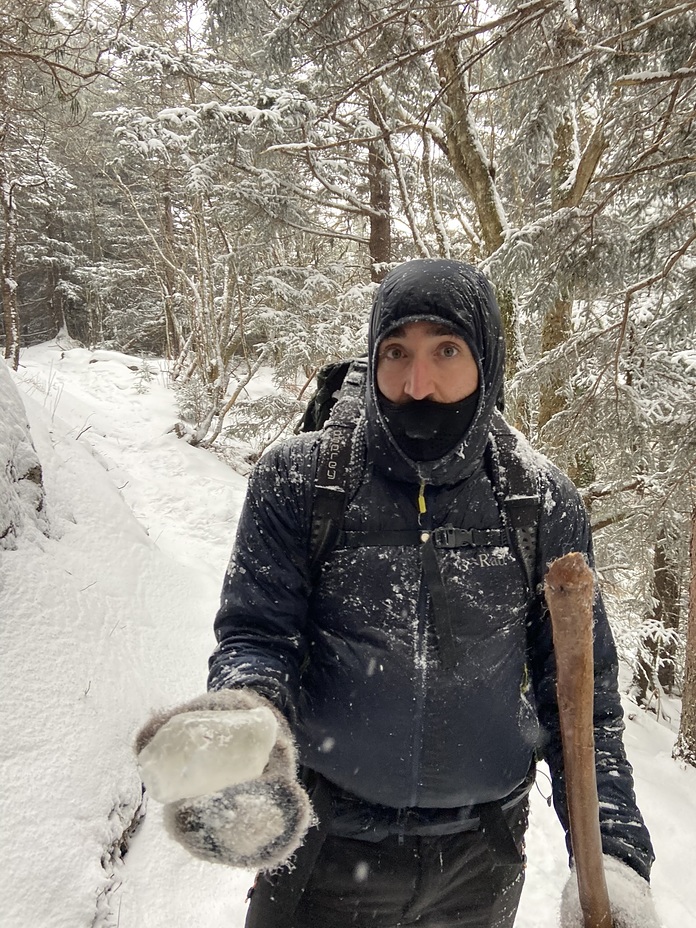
[630, 899]
[225, 767]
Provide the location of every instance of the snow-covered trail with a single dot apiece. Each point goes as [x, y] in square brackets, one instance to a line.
[112, 617]
[103, 622]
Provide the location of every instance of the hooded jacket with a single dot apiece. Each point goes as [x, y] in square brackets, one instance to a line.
[353, 658]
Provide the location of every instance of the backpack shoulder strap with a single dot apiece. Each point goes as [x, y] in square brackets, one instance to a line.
[331, 490]
[521, 502]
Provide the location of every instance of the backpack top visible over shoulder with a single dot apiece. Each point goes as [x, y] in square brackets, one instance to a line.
[330, 380]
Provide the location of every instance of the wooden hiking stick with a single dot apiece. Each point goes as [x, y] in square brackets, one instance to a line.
[569, 589]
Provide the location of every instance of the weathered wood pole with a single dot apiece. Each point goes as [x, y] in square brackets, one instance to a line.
[569, 589]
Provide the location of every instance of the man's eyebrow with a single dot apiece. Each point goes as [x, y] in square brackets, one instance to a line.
[435, 328]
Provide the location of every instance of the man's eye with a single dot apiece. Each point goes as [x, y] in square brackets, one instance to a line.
[450, 351]
[393, 352]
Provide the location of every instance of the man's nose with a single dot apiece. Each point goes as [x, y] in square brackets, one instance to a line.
[419, 380]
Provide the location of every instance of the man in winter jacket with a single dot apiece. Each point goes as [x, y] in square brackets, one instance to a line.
[412, 676]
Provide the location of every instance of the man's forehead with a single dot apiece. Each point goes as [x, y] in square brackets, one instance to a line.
[424, 327]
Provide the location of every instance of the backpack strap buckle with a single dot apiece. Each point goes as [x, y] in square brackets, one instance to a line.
[447, 536]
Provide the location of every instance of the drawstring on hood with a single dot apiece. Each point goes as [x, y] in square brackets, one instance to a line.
[460, 297]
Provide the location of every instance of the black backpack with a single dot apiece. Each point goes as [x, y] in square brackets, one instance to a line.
[335, 409]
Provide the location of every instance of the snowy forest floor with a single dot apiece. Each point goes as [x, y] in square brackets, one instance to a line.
[111, 617]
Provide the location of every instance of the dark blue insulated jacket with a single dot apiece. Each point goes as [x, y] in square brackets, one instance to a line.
[352, 658]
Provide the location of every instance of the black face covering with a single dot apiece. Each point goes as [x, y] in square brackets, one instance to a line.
[426, 430]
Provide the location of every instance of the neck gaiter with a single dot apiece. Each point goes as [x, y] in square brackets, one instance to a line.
[426, 430]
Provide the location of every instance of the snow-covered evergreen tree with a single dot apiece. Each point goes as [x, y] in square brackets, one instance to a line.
[247, 180]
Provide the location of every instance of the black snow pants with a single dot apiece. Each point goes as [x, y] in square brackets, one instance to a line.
[464, 880]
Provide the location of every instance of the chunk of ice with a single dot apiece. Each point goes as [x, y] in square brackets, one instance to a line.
[202, 752]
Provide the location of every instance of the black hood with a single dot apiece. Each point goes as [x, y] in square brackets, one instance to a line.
[459, 296]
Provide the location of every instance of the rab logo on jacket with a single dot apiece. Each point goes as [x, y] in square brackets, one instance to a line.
[494, 557]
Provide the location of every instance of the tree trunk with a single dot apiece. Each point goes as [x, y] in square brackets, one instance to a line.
[516, 405]
[571, 175]
[557, 325]
[555, 331]
[667, 611]
[55, 232]
[172, 329]
[685, 747]
[464, 149]
[380, 200]
[9, 273]
[657, 655]
[438, 223]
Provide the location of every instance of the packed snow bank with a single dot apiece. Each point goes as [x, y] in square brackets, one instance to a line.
[110, 617]
[21, 487]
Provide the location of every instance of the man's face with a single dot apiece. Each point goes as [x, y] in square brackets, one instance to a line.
[425, 360]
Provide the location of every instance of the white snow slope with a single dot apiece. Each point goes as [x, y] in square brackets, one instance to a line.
[111, 617]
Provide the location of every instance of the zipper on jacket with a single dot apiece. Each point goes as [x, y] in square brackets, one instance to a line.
[420, 659]
[422, 508]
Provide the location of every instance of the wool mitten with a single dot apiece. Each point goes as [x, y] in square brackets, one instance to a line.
[630, 899]
[225, 767]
